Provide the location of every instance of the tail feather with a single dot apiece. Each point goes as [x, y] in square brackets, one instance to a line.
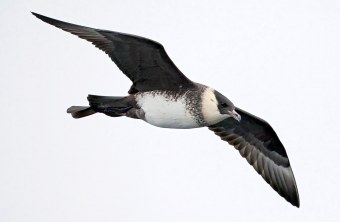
[80, 111]
[113, 106]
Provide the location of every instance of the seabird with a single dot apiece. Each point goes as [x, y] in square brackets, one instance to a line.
[163, 96]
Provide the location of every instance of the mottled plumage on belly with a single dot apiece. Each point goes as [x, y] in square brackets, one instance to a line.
[169, 109]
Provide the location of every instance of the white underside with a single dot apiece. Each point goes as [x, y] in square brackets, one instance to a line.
[165, 112]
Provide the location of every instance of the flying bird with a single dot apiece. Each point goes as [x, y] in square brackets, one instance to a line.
[163, 96]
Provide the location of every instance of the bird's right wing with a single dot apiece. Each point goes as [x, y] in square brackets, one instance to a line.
[258, 143]
[142, 60]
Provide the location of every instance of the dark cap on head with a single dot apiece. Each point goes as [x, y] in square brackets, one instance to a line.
[223, 103]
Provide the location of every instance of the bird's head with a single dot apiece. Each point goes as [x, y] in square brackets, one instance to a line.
[216, 107]
[226, 107]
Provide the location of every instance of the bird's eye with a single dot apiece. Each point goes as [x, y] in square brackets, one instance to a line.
[224, 105]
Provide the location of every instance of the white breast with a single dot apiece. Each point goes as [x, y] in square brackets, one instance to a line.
[165, 111]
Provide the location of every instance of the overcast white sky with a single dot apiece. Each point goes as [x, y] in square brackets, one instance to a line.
[276, 59]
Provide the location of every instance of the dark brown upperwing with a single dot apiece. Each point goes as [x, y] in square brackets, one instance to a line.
[142, 60]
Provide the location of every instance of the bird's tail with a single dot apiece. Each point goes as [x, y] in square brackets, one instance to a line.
[113, 106]
[80, 111]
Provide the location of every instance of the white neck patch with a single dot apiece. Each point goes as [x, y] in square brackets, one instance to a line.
[210, 110]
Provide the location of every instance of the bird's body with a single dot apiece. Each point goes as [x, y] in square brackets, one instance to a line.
[169, 109]
[185, 109]
[179, 110]
[163, 96]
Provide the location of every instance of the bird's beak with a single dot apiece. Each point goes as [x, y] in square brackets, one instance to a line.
[235, 115]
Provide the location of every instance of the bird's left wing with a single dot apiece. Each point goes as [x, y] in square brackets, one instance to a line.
[258, 143]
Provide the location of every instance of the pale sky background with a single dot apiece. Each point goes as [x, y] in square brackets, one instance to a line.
[276, 59]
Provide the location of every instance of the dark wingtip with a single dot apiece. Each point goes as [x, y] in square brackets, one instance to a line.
[296, 201]
[41, 17]
[46, 19]
[36, 14]
[297, 204]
